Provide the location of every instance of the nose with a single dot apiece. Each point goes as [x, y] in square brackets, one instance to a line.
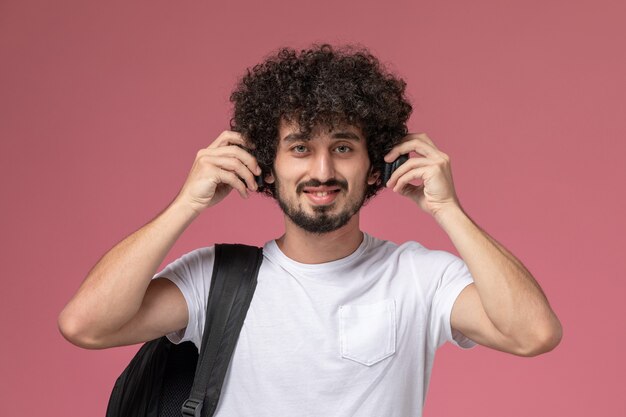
[322, 167]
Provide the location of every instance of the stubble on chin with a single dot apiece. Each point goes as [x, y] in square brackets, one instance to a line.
[321, 221]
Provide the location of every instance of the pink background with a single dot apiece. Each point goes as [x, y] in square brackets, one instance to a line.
[103, 106]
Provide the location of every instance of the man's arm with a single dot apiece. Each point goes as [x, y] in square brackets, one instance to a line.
[119, 288]
[119, 303]
[504, 308]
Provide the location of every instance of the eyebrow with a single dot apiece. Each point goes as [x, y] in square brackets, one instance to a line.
[294, 137]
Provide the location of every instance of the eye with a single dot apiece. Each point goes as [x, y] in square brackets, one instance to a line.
[343, 149]
[299, 149]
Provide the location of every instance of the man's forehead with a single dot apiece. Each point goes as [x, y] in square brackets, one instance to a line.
[290, 131]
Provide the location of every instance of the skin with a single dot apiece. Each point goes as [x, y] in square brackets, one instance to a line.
[322, 158]
[505, 308]
[119, 303]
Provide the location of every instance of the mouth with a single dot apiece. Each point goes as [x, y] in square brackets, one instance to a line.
[320, 196]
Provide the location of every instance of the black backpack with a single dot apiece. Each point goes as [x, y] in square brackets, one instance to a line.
[164, 379]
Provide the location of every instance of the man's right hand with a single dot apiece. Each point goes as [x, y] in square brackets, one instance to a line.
[119, 303]
[218, 169]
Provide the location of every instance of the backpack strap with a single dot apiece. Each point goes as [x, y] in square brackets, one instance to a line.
[233, 282]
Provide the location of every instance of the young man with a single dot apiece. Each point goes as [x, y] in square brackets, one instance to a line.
[341, 323]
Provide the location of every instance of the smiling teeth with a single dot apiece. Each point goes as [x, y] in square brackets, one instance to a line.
[323, 194]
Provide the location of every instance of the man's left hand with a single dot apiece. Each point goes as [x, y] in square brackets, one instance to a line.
[431, 166]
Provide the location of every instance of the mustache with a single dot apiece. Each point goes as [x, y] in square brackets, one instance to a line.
[316, 183]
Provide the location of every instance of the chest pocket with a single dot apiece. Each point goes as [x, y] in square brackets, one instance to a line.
[367, 332]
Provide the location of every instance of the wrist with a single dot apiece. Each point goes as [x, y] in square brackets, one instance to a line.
[182, 211]
[449, 214]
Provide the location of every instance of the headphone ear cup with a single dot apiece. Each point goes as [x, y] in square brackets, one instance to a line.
[391, 167]
[259, 180]
[387, 173]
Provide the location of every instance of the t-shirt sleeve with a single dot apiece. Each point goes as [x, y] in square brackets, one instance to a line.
[192, 275]
[452, 281]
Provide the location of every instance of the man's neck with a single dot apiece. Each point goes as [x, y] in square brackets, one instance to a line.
[311, 248]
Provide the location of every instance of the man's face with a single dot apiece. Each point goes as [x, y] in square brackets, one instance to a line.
[320, 180]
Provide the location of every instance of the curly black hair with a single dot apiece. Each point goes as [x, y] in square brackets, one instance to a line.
[320, 86]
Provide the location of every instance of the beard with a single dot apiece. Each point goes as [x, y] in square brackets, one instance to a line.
[322, 220]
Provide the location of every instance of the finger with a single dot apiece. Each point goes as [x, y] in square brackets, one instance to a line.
[416, 174]
[235, 166]
[425, 138]
[410, 190]
[226, 138]
[234, 151]
[414, 145]
[229, 178]
[412, 163]
[249, 144]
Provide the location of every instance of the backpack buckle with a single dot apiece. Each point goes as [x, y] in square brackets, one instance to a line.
[192, 408]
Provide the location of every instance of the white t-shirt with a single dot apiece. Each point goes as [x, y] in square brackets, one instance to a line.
[352, 337]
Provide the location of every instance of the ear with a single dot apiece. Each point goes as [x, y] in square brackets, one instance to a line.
[373, 176]
[269, 178]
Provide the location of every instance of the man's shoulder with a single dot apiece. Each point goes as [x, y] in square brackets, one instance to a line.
[206, 253]
[195, 256]
[200, 252]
